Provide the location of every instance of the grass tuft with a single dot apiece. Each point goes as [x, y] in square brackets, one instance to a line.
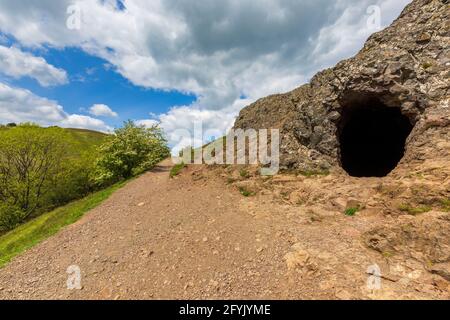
[314, 173]
[445, 204]
[414, 210]
[244, 173]
[245, 192]
[350, 212]
[176, 169]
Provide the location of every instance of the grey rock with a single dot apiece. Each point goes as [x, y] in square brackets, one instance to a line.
[389, 68]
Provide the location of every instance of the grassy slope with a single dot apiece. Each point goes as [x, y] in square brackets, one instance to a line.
[46, 225]
[87, 137]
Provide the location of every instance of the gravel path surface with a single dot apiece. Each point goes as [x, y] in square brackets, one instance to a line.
[197, 237]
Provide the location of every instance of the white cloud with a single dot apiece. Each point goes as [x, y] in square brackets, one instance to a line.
[19, 105]
[147, 123]
[102, 110]
[346, 35]
[84, 122]
[3, 39]
[17, 64]
[181, 122]
[218, 50]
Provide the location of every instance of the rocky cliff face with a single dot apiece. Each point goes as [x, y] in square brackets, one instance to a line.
[396, 89]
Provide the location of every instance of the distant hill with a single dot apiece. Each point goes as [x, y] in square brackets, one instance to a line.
[87, 137]
[83, 136]
[86, 140]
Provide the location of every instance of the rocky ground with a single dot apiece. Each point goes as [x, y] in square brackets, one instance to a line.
[226, 232]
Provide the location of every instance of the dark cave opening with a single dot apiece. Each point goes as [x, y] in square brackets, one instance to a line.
[372, 138]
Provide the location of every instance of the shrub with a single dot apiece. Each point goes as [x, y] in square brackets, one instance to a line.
[10, 216]
[130, 151]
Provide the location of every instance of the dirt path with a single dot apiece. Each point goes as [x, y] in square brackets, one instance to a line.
[189, 238]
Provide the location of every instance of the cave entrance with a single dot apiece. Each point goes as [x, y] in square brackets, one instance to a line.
[372, 138]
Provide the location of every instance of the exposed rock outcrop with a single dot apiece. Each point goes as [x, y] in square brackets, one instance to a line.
[406, 66]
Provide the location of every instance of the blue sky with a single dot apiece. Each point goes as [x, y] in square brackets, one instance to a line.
[94, 81]
[96, 63]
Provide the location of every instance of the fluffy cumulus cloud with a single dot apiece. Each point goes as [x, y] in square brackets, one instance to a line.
[17, 64]
[228, 53]
[19, 105]
[102, 110]
[193, 126]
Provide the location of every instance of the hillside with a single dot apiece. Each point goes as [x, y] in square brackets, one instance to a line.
[43, 168]
[88, 137]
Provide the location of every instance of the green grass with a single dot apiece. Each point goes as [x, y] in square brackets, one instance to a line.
[350, 212]
[313, 173]
[176, 169]
[87, 138]
[231, 180]
[414, 210]
[245, 192]
[33, 232]
[445, 205]
[244, 173]
[83, 136]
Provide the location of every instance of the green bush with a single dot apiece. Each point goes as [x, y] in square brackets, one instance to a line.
[10, 216]
[130, 151]
[40, 169]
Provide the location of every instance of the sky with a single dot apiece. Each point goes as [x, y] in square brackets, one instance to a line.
[96, 63]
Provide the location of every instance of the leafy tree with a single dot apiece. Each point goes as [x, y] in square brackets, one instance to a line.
[29, 157]
[42, 168]
[10, 216]
[131, 150]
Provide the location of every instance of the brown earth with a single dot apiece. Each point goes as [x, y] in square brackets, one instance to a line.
[197, 237]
